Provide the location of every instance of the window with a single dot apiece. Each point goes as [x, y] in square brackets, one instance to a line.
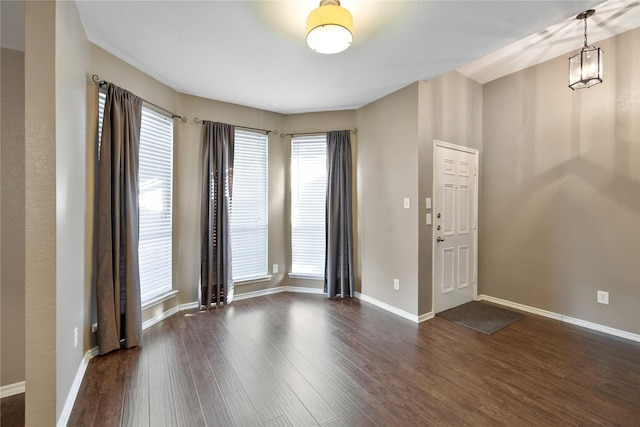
[308, 199]
[249, 229]
[155, 175]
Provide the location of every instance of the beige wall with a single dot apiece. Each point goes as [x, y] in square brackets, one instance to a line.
[450, 110]
[187, 186]
[40, 213]
[187, 146]
[12, 218]
[56, 59]
[560, 189]
[387, 172]
[71, 64]
[116, 71]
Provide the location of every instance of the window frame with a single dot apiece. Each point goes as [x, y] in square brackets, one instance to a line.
[317, 143]
[155, 294]
[247, 136]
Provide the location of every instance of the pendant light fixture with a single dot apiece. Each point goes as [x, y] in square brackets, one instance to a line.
[585, 67]
[329, 28]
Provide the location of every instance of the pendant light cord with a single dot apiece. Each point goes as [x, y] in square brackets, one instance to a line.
[585, 32]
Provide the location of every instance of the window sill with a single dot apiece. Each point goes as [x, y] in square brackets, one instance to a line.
[305, 276]
[159, 298]
[252, 280]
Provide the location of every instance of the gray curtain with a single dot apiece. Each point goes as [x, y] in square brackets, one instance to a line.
[118, 276]
[216, 280]
[339, 276]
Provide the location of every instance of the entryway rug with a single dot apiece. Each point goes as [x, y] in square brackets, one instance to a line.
[485, 318]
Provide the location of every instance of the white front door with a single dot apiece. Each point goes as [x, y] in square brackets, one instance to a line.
[454, 225]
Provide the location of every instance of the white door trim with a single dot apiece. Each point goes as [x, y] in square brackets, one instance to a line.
[476, 153]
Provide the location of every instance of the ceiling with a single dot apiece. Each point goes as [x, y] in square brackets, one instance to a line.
[254, 53]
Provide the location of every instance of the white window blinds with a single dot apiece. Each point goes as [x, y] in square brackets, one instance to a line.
[308, 199]
[155, 198]
[155, 175]
[249, 227]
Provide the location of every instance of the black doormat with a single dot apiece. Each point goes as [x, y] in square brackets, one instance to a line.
[483, 318]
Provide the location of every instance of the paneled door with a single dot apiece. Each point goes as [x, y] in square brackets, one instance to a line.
[455, 225]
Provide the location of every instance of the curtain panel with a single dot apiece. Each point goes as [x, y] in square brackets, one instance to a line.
[339, 275]
[118, 277]
[216, 279]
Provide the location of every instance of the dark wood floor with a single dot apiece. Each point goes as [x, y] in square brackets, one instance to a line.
[12, 413]
[303, 360]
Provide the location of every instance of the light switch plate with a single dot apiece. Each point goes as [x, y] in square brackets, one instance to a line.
[428, 203]
[407, 202]
[603, 297]
[428, 219]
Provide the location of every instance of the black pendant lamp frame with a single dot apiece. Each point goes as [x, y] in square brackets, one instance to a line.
[585, 67]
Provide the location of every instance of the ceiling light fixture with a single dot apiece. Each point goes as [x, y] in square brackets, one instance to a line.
[329, 28]
[585, 67]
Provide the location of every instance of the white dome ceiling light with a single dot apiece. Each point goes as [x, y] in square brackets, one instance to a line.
[329, 28]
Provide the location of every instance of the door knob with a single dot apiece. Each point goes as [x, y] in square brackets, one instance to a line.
[439, 239]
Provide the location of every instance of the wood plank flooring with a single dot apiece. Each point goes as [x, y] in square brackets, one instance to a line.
[303, 360]
[12, 413]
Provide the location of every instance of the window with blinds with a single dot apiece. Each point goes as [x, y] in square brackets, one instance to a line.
[308, 199]
[155, 189]
[249, 226]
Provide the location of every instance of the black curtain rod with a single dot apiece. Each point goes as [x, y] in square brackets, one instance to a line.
[101, 83]
[282, 135]
[266, 131]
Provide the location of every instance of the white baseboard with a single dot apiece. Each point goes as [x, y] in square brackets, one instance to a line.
[188, 306]
[159, 318]
[426, 316]
[299, 289]
[63, 419]
[303, 290]
[236, 297]
[277, 290]
[562, 318]
[17, 388]
[260, 293]
[395, 310]
[11, 389]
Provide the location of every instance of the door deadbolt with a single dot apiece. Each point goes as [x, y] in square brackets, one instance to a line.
[438, 228]
[438, 215]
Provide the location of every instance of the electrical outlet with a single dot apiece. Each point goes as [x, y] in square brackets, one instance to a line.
[274, 268]
[396, 284]
[94, 328]
[75, 337]
[407, 202]
[603, 297]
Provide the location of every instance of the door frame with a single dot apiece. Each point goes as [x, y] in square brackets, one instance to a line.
[476, 166]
